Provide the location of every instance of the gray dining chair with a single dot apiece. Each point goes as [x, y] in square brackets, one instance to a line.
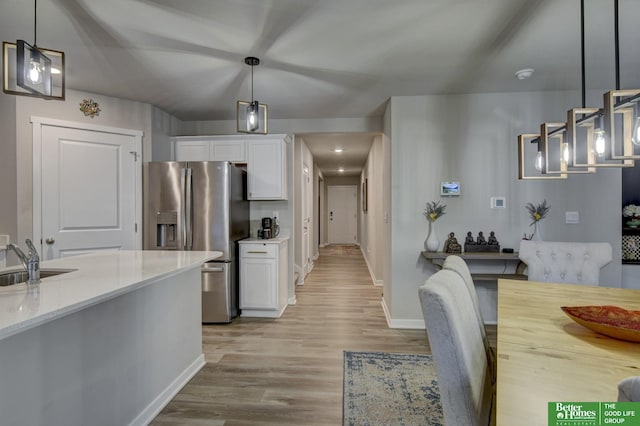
[466, 391]
[459, 266]
[565, 262]
[629, 389]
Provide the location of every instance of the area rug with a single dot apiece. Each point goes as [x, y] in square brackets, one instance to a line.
[381, 388]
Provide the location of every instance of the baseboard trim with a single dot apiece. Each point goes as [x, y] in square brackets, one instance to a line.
[408, 324]
[156, 406]
[376, 282]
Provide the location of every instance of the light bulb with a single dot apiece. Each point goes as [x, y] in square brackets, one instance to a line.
[539, 161]
[565, 152]
[35, 73]
[252, 116]
[636, 132]
[599, 144]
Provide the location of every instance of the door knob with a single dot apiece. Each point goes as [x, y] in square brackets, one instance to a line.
[50, 240]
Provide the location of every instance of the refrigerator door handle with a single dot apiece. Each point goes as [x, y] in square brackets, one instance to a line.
[183, 220]
[188, 210]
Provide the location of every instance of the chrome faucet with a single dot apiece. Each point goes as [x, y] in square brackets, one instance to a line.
[31, 263]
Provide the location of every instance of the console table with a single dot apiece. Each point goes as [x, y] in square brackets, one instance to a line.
[437, 258]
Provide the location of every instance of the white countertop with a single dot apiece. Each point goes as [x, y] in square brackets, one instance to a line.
[97, 277]
[276, 240]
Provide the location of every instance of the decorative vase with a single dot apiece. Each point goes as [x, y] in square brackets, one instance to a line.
[432, 243]
[537, 233]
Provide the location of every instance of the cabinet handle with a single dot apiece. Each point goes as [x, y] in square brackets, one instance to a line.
[260, 252]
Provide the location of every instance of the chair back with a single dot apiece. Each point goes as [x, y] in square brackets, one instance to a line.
[565, 262]
[629, 389]
[458, 349]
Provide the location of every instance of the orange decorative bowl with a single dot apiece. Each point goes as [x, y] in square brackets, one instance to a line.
[611, 321]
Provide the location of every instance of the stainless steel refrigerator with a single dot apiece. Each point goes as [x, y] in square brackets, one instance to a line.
[200, 206]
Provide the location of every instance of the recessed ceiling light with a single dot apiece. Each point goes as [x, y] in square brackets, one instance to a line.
[338, 150]
[524, 74]
[341, 170]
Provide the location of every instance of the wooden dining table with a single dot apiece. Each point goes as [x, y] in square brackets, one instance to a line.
[544, 356]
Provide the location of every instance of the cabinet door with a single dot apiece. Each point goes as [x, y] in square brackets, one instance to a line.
[192, 150]
[233, 150]
[258, 284]
[266, 170]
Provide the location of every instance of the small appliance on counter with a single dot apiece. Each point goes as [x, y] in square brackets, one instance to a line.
[270, 228]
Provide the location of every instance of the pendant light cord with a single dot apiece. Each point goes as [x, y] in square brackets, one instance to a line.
[584, 84]
[252, 83]
[35, 23]
[617, 43]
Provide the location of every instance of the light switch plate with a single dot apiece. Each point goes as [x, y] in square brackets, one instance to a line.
[572, 217]
[498, 202]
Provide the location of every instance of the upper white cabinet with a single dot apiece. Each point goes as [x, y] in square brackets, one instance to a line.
[210, 148]
[191, 150]
[265, 156]
[267, 168]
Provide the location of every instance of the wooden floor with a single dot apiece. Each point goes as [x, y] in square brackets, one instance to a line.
[288, 371]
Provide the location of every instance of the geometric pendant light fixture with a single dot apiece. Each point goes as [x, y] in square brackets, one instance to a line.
[29, 70]
[251, 116]
[591, 138]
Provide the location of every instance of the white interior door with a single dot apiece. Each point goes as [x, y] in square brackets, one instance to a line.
[343, 207]
[89, 182]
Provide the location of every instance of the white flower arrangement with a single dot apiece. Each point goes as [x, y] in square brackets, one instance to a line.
[631, 210]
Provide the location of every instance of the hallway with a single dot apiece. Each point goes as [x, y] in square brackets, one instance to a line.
[289, 370]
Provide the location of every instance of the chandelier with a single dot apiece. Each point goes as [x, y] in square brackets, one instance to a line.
[592, 137]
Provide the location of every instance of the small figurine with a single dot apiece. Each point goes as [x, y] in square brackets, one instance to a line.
[452, 245]
[469, 239]
[492, 239]
[480, 240]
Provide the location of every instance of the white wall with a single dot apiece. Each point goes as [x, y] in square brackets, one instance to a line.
[8, 168]
[332, 125]
[371, 224]
[473, 139]
[163, 126]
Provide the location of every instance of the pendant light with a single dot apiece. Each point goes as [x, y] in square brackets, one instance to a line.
[252, 116]
[611, 131]
[30, 70]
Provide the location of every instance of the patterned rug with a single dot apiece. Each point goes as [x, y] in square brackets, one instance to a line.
[382, 388]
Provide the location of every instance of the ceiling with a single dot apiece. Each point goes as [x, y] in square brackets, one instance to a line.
[323, 58]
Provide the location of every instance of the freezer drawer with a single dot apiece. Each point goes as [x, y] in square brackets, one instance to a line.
[219, 295]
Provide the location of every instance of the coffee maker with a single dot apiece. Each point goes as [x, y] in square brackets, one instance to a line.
[270, 228]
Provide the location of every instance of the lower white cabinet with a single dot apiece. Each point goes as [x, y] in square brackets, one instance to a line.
[263, 277]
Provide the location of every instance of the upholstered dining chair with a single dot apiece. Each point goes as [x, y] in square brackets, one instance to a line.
[629, 389]
[458, 351]
[459, 266]
[565, 262]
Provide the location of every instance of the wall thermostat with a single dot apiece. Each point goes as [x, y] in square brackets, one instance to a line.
[449, 189]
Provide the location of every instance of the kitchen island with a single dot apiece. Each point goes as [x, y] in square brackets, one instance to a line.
[110, 342]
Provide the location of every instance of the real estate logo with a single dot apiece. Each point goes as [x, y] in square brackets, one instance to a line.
[593, 413]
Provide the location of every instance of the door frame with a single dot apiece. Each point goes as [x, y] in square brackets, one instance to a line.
[38, 123]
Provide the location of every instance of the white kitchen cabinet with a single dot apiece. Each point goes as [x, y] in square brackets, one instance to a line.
[191, 150]
[263, 277]
[228, 150]
[210, 148]
[267, 168]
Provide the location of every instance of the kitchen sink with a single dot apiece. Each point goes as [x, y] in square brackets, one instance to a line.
[17, 277]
